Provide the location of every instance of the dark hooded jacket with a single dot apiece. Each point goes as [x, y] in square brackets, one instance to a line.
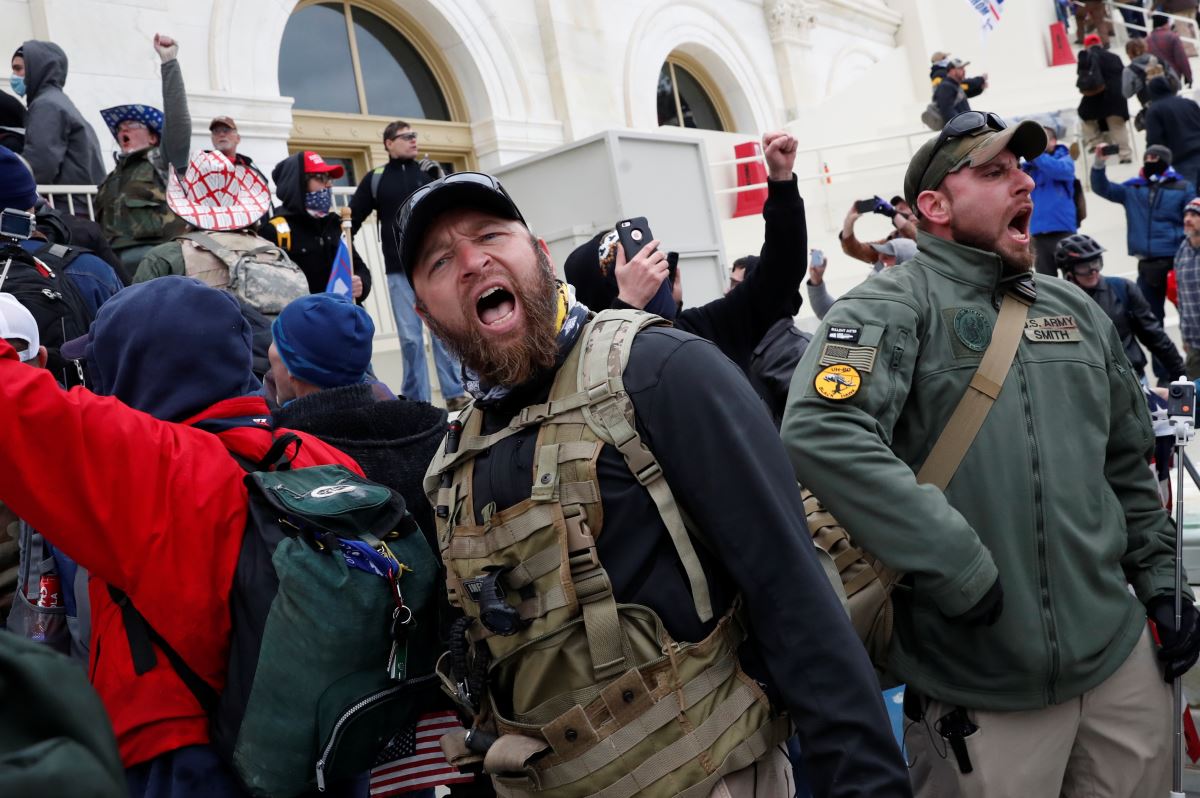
[313, 242]
[951, 100]
[1174, 121]
[153, 504]
[60, 147]
[12, 123]
[393, 441]
[1111, 101]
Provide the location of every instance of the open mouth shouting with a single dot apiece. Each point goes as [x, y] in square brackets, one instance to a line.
[496, 308]
[1018, 226]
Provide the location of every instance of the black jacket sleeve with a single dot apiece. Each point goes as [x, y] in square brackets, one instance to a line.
[694, 410]
[737, 321]
[361, 204]
[1149, 331]
[973, 87]
[360, 269]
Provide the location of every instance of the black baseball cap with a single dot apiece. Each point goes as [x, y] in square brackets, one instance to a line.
[460, 190]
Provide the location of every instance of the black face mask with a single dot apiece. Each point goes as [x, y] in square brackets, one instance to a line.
[1155, 168]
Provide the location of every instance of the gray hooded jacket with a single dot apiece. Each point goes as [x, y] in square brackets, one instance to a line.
[60, 147]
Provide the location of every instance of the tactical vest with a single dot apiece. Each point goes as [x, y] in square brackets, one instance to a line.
[589, 697]
[131, 204]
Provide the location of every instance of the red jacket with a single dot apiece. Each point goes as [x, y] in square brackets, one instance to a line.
[154, 508]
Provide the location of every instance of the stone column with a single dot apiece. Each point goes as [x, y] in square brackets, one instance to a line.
[790, 24]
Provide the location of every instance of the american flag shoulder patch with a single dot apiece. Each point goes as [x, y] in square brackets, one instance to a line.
[414, 759]
[861, 357]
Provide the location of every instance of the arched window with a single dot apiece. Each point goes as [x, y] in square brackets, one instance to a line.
[686, 97]
[352, 67]
[339, 58]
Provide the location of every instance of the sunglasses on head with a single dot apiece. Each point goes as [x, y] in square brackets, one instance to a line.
[969, 123]
[408, 136]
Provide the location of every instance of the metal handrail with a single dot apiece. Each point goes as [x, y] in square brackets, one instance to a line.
[1112, 4]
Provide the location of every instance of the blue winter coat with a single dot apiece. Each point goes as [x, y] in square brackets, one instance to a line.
[1053, 175]
[1153, 210]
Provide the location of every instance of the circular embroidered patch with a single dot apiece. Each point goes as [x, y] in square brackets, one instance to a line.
[838, 382]
[973, 329]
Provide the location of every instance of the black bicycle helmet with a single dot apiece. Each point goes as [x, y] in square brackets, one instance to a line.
[1078, 248]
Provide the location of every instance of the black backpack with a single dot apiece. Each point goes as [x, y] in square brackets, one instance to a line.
[42, 286]
[1091, 81]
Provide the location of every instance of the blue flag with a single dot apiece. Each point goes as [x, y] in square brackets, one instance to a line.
[341, 275]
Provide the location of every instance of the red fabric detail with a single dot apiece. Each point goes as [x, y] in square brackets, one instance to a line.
[1190, 736]
[1173, 287]
[155, 508]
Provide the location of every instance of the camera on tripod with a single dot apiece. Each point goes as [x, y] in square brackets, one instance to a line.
[1181, 400]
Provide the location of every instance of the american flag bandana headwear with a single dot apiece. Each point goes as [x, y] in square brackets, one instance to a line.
[216, 195]
[148, 115]
[414, 759]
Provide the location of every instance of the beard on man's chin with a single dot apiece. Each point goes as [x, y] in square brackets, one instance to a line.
[1016, 261]
[533, 349]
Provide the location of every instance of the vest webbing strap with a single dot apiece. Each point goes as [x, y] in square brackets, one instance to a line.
[746, 754]
[501, 535]
[611, 748]
[601, 364]
[973, 408]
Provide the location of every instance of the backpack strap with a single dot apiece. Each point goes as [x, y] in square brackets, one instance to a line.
[141, 635]
[376, 179]
[207, 242]
[610, 413]
[283, 232]
[973, 408]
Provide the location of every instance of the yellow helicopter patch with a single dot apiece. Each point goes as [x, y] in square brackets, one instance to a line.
[838, 382]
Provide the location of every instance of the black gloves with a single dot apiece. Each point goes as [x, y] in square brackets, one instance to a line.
[987, 610]
[1179, 648]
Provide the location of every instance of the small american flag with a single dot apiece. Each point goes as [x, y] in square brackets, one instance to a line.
[413, 760]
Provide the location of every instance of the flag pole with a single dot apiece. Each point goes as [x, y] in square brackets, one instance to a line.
[347, 236]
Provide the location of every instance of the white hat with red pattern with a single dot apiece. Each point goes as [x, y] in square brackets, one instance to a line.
[214, 194]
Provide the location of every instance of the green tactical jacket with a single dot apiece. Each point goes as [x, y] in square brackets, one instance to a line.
[1055, 495]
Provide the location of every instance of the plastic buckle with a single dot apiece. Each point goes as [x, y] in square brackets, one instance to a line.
[591, 586]
[649, 474]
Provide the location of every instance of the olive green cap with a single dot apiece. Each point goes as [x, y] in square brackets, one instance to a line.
[930, 165]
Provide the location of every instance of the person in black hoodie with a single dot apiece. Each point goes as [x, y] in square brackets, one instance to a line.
[319, 359]
[384, 191]
[306, 228]
[1174, 122]
[736, 322]
[1104, 114]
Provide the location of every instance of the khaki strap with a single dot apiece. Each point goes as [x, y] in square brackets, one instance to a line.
[603, 364]
[501, 536]
[540, 564]
[769, 735]
[545, 480]
[510, 752]
[685, 749]
[624, 739]
[976, 403]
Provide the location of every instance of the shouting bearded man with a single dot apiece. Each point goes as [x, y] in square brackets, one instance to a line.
[1030, 668]
[562, 506]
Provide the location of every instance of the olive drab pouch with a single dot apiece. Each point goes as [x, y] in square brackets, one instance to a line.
[584, 695]
[334, 629]
[252, 268]
[867, 583]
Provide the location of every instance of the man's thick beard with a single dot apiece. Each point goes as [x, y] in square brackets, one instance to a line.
[515, 362]
[1020, 265]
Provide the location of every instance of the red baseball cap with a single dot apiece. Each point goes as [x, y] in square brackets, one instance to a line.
[314, 164]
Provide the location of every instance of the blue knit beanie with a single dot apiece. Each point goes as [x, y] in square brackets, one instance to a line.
[18, 190]
[324, 339]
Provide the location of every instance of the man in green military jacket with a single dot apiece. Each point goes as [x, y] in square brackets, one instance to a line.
[131, 205]
[1015, 628]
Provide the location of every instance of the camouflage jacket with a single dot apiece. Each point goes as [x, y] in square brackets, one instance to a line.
[131, 205]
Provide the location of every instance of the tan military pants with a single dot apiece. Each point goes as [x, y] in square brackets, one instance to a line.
[769, 777]
[1114, 741]
[1117, 133]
